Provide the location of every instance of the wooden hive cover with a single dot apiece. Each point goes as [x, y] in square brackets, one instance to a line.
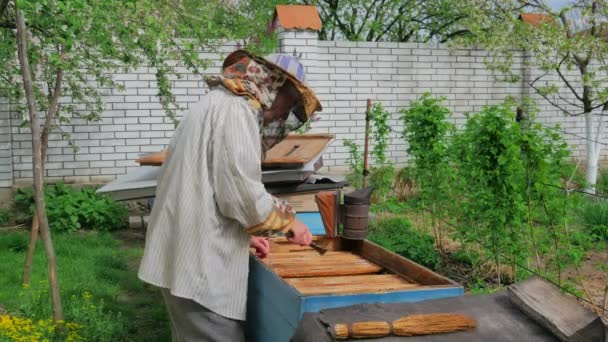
[294, 151]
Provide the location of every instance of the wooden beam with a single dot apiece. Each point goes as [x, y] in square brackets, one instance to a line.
[397, 264]
[563, 315]
[307, 264]
[375, 283]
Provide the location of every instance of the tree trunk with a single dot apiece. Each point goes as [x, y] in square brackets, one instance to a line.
[44, 138]
[31, 248]
[38, 179]
[594, 133]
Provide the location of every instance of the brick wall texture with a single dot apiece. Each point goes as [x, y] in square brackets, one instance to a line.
[343, 74]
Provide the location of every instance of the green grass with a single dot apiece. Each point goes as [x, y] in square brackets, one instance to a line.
[93, 262]
[594, 215]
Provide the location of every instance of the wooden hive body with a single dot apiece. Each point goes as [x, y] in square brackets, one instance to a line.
[294, 280]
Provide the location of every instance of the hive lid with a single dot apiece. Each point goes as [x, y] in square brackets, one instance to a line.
[294, 151]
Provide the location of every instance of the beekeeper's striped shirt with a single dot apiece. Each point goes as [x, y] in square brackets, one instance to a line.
[208, 191]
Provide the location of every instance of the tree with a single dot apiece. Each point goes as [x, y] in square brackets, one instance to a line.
[389, 20]
[53, 49]
[569, 47]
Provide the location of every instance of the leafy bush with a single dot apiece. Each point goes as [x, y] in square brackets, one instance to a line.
[4, 216]
[382, 173]
[69, 209]
[397, 235]
[595, 217]
[392, 205]
[489, 162]
[355, 164]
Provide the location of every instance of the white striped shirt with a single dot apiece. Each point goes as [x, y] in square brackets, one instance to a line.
[208, 192]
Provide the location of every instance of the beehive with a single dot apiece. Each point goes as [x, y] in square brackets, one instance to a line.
[294, 280]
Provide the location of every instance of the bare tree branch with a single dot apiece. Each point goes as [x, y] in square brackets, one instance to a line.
[368, 12]
[50, 115]
[392, 23]
[566, 81]
[547, 98]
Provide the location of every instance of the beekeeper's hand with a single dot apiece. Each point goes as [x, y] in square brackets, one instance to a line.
[301, 234]
[261, 245]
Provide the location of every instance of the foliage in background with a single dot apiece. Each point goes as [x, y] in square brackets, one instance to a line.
[568, 48]
[391, 205]
[489, 164]
[390, 20]
[545, 155]
[382, 172]
[87, 41]
[397, 235]
[427, 131]
[95, 269]
[69, 209]
[355, 163]
[4, 216]
[595, 218]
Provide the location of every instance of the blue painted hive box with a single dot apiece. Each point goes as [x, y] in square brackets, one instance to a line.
[293, 280]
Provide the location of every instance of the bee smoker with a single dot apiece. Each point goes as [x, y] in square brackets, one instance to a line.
[351, 211]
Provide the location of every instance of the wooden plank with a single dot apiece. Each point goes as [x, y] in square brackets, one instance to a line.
[350, 284]
[306, 264]
[302, 202]
[397, 264]
[296, 150]
[312, 258]
[281, 245]
[566, 318]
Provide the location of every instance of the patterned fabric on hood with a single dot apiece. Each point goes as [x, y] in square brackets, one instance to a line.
[260, 85]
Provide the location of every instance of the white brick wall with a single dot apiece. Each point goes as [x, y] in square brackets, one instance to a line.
[343, 74]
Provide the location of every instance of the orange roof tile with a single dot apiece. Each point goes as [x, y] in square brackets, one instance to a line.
[301, 17]
[536, 19]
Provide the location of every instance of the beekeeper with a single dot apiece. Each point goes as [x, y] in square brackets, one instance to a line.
[210, 201]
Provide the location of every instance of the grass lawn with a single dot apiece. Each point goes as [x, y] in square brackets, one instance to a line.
[97, 263]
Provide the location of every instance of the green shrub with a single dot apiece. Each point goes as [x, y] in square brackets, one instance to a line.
[382, 173]
[381, 178]
[392, 205]
[355, 164]
[397, 235]
[595, 218]
[4, 216]
[69, 209]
